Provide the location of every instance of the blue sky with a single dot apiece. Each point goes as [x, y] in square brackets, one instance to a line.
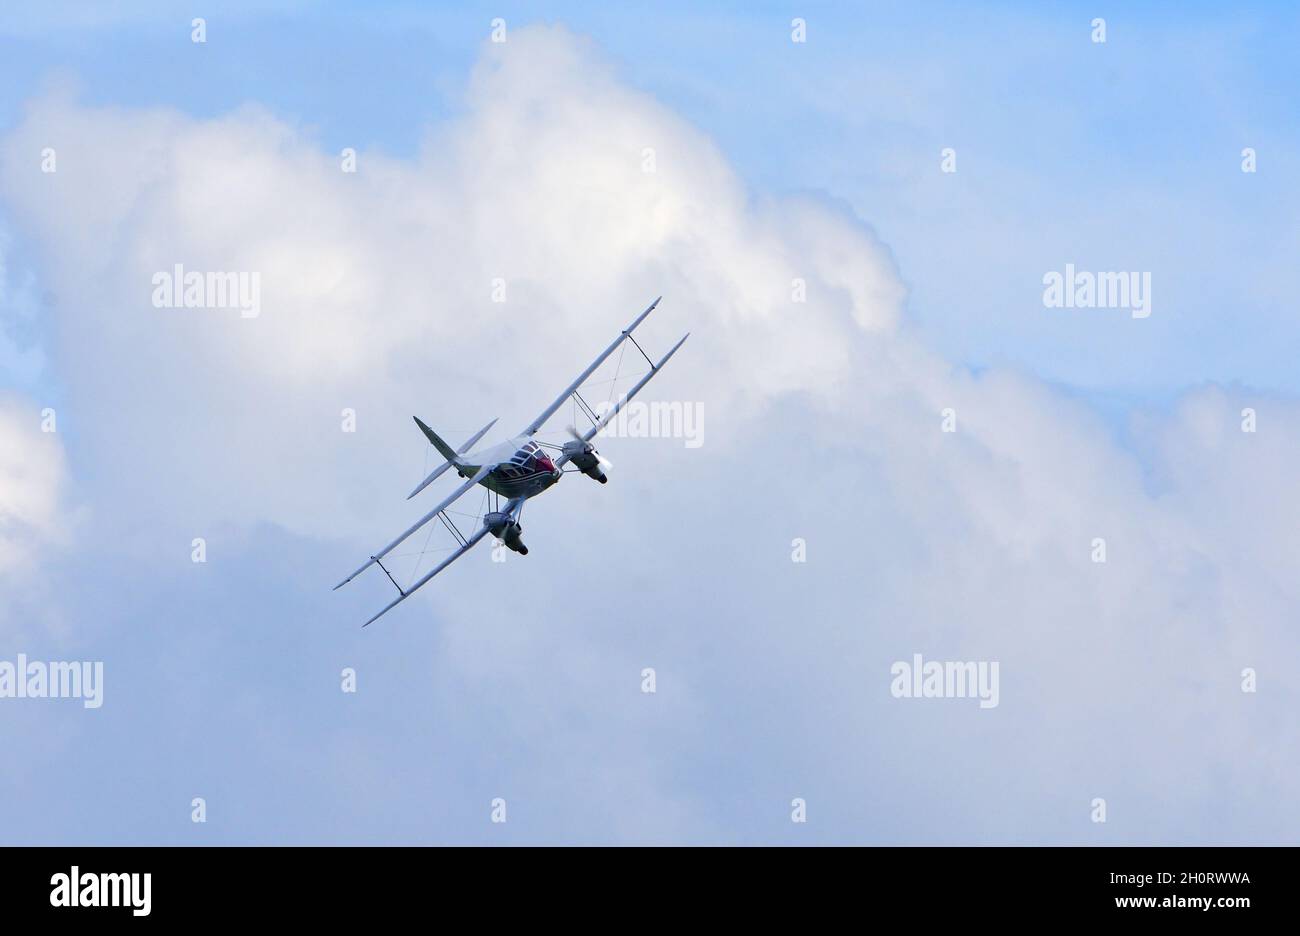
[819, 159]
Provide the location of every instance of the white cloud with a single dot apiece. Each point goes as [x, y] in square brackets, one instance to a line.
[20, 355]
[376, 287]
[32, 478]
[36, 521]
[376, 296]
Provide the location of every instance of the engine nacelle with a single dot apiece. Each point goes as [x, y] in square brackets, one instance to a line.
[584, 458]
[505, 529]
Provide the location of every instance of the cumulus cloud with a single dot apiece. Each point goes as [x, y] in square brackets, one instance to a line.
[1119, 679]
[36, 521]
[32, 477]
[377, 286]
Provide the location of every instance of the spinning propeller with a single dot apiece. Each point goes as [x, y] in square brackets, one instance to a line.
[585, 458]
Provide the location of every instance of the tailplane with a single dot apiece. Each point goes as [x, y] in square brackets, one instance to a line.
[453, 458]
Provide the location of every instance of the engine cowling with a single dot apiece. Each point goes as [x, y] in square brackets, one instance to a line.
[585, 458]
[503, 527]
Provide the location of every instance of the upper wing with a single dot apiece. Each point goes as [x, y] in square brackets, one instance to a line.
[479, 476]
[582, 378]
[622, 401]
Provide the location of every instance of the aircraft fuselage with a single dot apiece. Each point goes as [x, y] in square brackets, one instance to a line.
[524, 470]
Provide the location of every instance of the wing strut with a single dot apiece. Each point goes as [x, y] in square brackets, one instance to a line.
[469, 544]
[514, 507]
[390, 576]
[623, 400]
[582, 378]
[479, 476]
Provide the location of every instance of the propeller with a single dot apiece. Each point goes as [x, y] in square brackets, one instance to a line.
[605, 463]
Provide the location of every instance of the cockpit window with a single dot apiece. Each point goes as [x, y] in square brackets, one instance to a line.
[527, 455]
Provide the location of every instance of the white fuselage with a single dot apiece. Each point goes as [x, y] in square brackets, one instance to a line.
[523, 468]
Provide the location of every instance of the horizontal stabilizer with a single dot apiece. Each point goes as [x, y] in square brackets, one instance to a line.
[433, 476]
[437, 472]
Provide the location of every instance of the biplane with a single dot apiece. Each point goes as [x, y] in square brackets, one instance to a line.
[517, 469]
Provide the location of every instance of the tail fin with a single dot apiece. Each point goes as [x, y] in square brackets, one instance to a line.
[445, 450]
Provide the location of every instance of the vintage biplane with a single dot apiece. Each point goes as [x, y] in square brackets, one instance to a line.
[516, 469]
